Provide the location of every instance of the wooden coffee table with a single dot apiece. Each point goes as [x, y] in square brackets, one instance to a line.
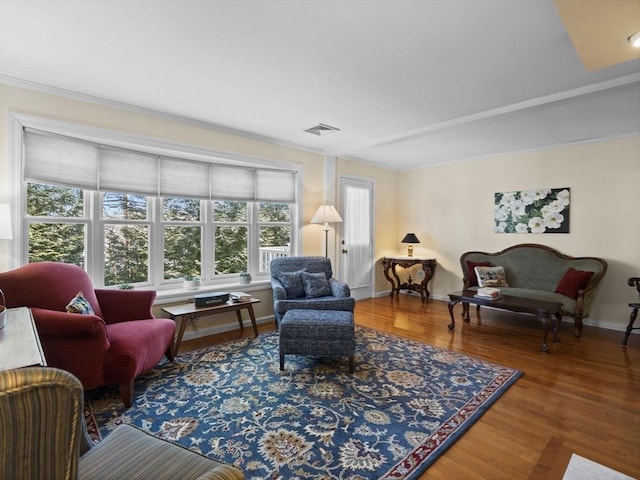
[189, 312]
[540, 308]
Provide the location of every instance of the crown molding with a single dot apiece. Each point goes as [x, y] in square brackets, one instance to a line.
[474, 117]
[62, 92]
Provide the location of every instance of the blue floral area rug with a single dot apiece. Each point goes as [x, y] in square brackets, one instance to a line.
[405, 404]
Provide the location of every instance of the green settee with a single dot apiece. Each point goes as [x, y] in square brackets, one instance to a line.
[542, 273]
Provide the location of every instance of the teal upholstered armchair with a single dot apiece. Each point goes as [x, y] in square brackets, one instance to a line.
[307, 283]
[43, 436]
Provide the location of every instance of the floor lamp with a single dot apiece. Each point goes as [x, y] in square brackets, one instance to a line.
[326, 214]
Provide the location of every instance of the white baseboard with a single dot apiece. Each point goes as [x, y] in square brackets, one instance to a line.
[197, 332]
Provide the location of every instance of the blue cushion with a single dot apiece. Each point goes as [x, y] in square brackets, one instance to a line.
[315, 284]
[292, 283]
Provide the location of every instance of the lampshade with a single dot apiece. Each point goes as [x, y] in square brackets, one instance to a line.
[410, 238]
[5, 222]
[326, 214]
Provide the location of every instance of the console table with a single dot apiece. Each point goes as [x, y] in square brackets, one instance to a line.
[189, 312]
[389, 264]
[19, 341]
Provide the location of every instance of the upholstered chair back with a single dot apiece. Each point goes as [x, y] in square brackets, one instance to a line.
[47, 285]
[40, 424]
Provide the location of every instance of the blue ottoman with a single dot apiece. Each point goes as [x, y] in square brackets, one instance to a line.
[320, 333]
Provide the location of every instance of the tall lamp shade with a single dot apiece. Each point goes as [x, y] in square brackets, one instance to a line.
[326, 214]
[5, 222]
[410, 238]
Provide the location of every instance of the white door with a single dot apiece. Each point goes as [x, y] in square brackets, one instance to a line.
[356, 239]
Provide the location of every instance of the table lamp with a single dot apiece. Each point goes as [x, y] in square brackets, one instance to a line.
[410, 238]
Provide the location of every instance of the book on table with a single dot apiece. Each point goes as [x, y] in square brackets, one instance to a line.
[239, 296]
[489, 293]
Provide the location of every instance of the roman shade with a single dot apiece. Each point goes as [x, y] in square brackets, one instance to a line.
[60, 160]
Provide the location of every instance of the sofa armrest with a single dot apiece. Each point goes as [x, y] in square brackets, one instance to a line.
[123, 305]
[64, 324]
[339, 289]
[279, 292]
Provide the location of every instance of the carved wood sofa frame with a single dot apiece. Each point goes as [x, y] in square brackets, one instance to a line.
[534, 271]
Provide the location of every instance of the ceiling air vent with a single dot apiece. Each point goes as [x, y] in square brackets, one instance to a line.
[321, 130]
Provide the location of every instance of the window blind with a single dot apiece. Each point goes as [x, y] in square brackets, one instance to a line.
[61, 160]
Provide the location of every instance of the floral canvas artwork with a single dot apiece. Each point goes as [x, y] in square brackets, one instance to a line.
[545, 210]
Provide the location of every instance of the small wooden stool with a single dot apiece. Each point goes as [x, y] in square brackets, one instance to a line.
[320, 333]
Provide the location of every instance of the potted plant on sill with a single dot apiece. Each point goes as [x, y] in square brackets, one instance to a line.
[191, 282]
[245, 278]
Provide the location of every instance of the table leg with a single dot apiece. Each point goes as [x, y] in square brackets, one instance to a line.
[545, 331]
[396, 285]
[452, 303]
[387, 266]
[183, 326]
[424, 286]
[253, 319]
[556, 329]
[239, 317]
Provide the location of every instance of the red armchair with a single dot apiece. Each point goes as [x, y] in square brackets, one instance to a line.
[115, 345]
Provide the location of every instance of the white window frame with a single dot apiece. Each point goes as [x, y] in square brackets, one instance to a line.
[95, 233]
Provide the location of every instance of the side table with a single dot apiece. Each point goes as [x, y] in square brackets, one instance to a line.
[189, 312]
[19, 341]
[389, 265]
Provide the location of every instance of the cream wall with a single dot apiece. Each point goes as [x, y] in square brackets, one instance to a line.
[456, 213]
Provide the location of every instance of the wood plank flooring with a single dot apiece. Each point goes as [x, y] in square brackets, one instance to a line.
[584, 394]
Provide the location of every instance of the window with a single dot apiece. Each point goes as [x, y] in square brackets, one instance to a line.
[274, 222]
[182, 238]
[127, 237]
[59, 226]
[171, 218]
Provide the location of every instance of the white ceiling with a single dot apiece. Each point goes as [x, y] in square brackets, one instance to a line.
[409, 83]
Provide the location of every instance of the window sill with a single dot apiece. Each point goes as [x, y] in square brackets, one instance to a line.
[182, 295]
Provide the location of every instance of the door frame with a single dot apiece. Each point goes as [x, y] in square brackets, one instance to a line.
[339, 232]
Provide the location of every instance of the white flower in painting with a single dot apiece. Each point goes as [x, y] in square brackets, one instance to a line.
[553, 220]
[528, 196]
[536, 224]
[518, 208]
[507, 198]
[522, 228]
[500, 213]
[563, 197]
[552, 207]
[541, 193]
[499, 228]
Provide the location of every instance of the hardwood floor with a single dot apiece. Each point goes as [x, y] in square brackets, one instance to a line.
[583, 395]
